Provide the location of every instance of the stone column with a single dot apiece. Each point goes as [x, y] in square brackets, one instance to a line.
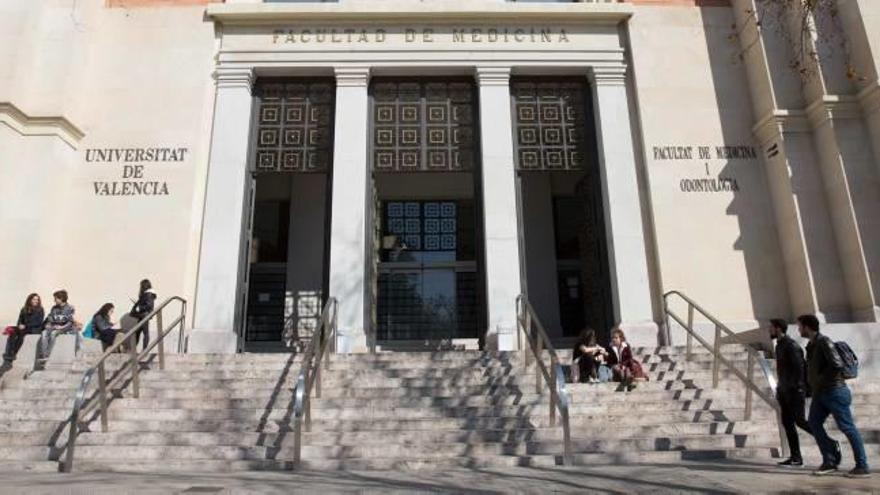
[853, 190]
[627, 254]
[869, 98]
[218, 305]
[500, 217]
[348, 225]
[813, 274]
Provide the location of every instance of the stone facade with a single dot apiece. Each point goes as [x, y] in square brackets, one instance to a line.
[725, 174]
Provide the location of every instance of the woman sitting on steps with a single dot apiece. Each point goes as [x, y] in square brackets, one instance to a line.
[626, 368]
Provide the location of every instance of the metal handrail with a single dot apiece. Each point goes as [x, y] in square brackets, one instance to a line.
[718, 359]
[310, 374]
[554, 378]
[82, 406]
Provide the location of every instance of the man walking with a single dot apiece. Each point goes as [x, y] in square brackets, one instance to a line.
[791, 390]
[830, 396]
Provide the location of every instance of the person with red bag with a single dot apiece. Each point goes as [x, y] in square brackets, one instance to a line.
[30, 321]
[626, 368]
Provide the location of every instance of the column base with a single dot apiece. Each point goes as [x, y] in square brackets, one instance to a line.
[501, 339]
[352, 341]
[868, 315]
[641, 333]
[212, 341]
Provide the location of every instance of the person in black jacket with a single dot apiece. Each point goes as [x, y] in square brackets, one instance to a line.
[832, 397]
[791, 390]
[587, 356]
[144, 306]
[30, 322]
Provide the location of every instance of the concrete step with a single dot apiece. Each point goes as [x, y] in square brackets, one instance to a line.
[410, 436]
[198, 410]
[416, 449]
[47, 426]
[273, 425]
[763, 454]
[28, 466]
[28, 453]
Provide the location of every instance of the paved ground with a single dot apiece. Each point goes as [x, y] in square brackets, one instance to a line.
[715, 477]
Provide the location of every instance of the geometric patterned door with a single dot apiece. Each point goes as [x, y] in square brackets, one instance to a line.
[554, 132]
[550, 123]
[423, 126]
[294, 126]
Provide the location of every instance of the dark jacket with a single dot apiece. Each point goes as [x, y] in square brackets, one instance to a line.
[104, 329]
[790, 365]
[144, 305]
[823, 365]
[32, 321]
[626, 356]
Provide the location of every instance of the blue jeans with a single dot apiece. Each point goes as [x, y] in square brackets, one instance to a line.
[836, 402]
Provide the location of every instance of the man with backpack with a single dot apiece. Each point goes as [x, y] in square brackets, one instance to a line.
[826, 375]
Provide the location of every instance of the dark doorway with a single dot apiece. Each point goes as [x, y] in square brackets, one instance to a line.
[287, 270]
[567, 272]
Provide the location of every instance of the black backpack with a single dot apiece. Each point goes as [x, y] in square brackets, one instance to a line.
[849, 359]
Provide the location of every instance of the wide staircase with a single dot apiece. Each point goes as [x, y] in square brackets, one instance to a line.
[398, 411]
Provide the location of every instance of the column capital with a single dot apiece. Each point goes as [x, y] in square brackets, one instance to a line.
[833, 107]
[234, 78]
[778, 122]
[607, 76]
[493, 76]
[352, 76]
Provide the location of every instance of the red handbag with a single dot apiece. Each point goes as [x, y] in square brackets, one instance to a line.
[8, 331]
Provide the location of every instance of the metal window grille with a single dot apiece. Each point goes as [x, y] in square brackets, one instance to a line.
[294, 126]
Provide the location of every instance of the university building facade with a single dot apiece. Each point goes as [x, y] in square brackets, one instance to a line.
[425, 163]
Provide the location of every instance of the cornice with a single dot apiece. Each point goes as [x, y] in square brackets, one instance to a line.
[27, 125]
[774, 124]
[428, 12]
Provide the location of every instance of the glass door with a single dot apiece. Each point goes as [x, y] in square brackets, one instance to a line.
[427, 273]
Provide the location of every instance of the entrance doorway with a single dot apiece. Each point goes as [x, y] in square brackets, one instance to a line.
[428, 283]
[287, 270]
[562, 215]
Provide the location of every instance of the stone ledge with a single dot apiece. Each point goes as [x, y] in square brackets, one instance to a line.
[27, 125]
[598, 11]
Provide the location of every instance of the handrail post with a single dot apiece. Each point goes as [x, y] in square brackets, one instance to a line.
[567, 457]
[751, 380]
[519, 345]
[538, 362]
[182, 328]
[318, 379]
[307, 413]
[716, 361]
[135, 367]
[102, 393]
[553, 395]
[690, 334]
[297, 441]
[528, 331]
[161, 344]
